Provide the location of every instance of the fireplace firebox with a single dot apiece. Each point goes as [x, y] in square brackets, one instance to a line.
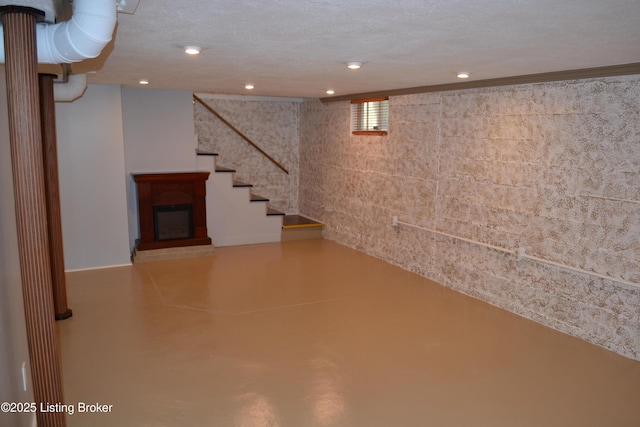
[173, 222]
[171, 210]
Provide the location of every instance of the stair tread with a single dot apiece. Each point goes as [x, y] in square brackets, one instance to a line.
[299, 221]
[205, 153]
[221, 169]
[274, 212]
[256, 198]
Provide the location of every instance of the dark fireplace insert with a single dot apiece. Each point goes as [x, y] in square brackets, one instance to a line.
[173, 222]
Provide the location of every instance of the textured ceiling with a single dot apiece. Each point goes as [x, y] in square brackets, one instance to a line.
[299, 48]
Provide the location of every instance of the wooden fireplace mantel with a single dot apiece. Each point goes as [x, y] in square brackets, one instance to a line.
[166, 189]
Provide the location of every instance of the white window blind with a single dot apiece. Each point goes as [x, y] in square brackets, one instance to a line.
[370, 116]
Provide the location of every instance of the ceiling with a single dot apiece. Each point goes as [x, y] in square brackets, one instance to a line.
[299, 48]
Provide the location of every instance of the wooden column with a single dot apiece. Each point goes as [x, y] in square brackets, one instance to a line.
[52, 190]
[31, 213]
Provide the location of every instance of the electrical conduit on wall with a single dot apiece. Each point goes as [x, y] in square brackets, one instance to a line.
[82, 37]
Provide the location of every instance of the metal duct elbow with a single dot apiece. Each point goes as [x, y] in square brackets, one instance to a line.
[83, 36]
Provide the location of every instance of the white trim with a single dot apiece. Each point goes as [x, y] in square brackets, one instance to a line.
[98, 268]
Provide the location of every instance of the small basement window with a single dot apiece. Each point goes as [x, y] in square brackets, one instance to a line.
[370, 116]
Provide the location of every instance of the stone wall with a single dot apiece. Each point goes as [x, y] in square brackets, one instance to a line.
[273, 126]
[552, 168]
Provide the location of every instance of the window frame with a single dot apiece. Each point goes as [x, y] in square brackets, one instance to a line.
[382, 116]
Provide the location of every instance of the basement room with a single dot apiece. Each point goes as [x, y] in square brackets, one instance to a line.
[319, 213]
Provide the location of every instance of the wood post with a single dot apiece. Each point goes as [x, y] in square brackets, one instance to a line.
[31, 214]
[52, 190]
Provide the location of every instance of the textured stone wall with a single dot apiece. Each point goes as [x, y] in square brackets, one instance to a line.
[273, 126]
[551, 168]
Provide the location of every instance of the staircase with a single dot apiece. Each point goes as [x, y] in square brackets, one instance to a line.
[238, 216]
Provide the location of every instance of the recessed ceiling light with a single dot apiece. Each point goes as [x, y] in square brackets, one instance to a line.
[249, 86]
[353, 65]
[192, 50]
[143, 81]
[330, 92]
[463, 75]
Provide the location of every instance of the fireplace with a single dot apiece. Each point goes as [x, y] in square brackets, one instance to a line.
[171, 210]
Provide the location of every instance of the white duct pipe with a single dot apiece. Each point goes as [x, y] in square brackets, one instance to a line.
[71, 90]
[83, 36]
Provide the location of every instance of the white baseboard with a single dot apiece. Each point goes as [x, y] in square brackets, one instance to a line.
[97, 268]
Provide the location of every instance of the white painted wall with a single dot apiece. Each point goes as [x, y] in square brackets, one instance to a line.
[232, 218]
[102, 138]
[92, 179]
[13, 334]
[158, 137]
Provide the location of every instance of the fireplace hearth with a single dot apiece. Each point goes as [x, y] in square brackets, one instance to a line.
[171, 210]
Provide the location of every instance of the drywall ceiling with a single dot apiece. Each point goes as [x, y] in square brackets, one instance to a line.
[299, 48]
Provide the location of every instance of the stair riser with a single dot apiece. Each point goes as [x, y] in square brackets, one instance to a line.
[232, 219]
[303, 233]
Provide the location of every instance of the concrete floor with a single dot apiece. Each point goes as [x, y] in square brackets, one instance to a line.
[310, 333]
